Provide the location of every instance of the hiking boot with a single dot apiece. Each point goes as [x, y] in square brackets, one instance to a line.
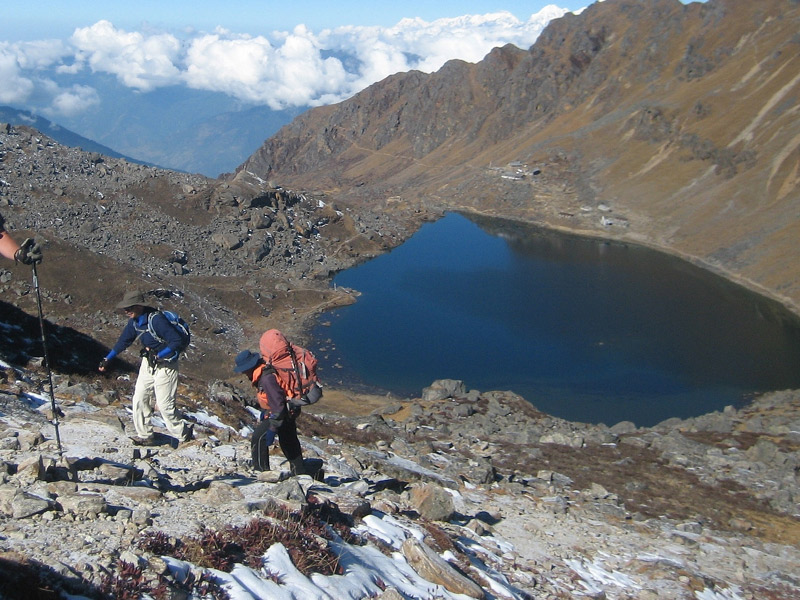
[296, 466]
[149, 440]
[188, 433]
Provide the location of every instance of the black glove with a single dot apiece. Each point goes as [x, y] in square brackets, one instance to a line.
[103, 364]
[29, 252]
[275, 419]
[150, 355]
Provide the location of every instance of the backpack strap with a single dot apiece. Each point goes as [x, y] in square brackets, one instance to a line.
[296, 371]
[152, 330]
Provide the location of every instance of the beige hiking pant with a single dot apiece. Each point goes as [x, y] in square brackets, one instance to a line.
[161, 384]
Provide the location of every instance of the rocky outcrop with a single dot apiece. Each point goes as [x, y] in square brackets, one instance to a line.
[223, 255]
[158, 221]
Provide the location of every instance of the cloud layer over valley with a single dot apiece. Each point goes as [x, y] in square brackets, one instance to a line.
[282, 69]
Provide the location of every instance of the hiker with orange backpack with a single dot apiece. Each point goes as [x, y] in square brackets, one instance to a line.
[284, 376]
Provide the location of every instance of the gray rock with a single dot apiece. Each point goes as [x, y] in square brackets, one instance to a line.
[402, 469]
[62, 488]
[228, 241]
[443, 388]
[24, 505]
[563, 439]
[766, 452]
[10, 443]
[290, 491]
[623, 427]
[131, 558]
[477, 470]
[141, 516]
[434, 568]
[79, 391]
[83, 504]
[557, 505]
[119, 474]
[7, 495]
[431, 501]
[716, 421]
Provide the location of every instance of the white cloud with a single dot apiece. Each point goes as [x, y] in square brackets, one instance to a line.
[74, 101]
[33, 58]
[15, 87]
[427, 46]
[40, 54]
[139, 61]
[292, 73]
[297, 68]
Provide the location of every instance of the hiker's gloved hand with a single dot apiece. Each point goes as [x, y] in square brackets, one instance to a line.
[275, 421]
[29, 252]
[294, 411]
[150, 356]
[103, 365]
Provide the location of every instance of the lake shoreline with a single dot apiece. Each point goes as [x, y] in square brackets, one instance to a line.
[594, 380]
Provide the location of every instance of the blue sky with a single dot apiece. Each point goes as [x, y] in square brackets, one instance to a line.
[28, 20]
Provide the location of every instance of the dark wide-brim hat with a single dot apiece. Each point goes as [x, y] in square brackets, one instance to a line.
[132, 298]
[246, 360]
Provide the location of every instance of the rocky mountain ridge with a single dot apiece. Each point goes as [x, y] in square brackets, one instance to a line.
[655, 122]
[56, 132]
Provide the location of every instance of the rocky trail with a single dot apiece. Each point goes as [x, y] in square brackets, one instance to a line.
[457, 494]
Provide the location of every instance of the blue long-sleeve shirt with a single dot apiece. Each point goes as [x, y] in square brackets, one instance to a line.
[137, 328]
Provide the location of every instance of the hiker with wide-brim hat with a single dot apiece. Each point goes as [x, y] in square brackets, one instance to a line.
[158, 372]
[277, 417]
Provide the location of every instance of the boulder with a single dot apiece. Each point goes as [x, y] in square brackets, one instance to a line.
[220, 492]
[432, 501]
[83, 504]
[120, 474]
[443, 388]
[228, 241]
[435, 569]
[24, 505]
[563, 439]
[478, 471]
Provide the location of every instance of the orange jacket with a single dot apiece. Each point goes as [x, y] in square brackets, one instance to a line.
[269, 394]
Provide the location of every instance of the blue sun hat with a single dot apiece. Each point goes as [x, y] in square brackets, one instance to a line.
[246, 360]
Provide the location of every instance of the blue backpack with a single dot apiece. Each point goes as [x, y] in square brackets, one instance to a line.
[181, 326]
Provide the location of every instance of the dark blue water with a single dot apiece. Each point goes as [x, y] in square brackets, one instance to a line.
[583, 329]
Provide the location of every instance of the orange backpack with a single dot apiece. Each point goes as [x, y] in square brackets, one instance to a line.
[295, 367]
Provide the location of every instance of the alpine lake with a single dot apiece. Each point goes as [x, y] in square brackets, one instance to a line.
[585, 329]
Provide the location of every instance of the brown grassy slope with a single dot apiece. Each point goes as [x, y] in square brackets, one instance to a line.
[682, 119]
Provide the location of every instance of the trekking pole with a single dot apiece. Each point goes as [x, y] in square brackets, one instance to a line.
[47, 360]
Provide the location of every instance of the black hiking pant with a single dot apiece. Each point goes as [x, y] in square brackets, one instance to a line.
[263, 436]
